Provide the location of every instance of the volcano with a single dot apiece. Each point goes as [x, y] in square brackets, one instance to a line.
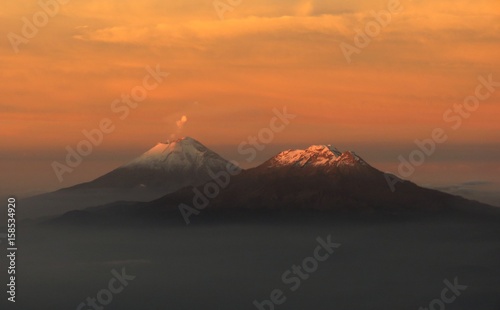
[316, 179]
[163, 169]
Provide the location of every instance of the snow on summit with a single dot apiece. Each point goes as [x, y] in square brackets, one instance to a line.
[315, 155]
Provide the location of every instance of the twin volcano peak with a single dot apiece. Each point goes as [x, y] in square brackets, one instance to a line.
[172, 165]
[188, 152]
[315, 156]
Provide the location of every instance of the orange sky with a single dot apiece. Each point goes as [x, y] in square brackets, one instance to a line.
[227, 75]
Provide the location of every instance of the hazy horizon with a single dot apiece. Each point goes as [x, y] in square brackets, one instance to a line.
[470, 175]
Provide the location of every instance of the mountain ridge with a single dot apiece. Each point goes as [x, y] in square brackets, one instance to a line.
[313, 179]
[319, 177]
[164, 168]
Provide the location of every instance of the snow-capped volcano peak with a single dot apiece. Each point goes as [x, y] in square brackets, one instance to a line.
[315, 156]
[163, 169]
[184, 153]
[324, 149]
[351, 158]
